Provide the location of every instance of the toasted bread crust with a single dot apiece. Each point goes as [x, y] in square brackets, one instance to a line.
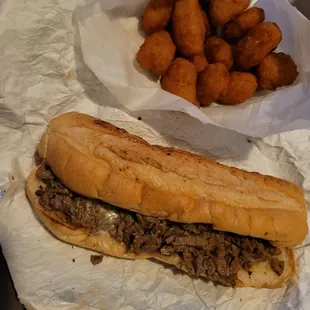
[99, 160]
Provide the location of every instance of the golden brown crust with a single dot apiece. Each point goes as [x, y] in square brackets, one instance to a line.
[188, 27]
[156, 53]
[222, 11]
[157, 14]
[98, 160]
[261, 276]
[276, 70]
[238, 27]
[241, 87]
[212, 83]
[180, 80]
[219, 51]
[200, 62]
[257, 44]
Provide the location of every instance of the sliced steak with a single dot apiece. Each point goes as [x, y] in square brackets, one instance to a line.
[202, 250]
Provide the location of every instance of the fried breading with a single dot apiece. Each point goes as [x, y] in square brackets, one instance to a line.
[180, 80]
[219, 51]
[257, 44]
[241, 87]
[157, 52]
[200, 62]
[212, 83]
[276, 70]
[243, 23]
[188, 27]
[222, 11]
[156, 15]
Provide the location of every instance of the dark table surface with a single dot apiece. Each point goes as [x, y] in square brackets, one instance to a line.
[8, 297]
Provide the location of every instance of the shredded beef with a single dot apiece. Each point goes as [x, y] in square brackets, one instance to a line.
[203, 251]
[277, 265]
[96, 259]
[78, 211]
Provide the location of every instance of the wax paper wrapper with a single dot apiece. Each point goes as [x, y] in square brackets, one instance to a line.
[42, 75]
[111, 36]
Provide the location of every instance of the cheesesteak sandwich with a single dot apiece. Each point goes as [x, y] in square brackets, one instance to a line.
[102, 188]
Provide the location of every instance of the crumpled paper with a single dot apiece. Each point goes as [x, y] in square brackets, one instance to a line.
[111, 36]
[42, 75]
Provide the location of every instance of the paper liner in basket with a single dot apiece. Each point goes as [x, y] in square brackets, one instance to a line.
[111, 35]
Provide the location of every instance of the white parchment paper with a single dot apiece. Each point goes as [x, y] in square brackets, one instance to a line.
[42, 75]
[111, 36]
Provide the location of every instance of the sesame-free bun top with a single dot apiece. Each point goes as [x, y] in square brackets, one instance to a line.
[99, 160]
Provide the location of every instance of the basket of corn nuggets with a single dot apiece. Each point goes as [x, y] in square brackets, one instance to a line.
[217, 51]
[237, 64]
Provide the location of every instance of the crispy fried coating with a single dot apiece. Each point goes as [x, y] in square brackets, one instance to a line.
[180, 80]
[188, 27]
[222, 11]
[241, 87]
[219, 51]
[276, 70]
[212, 83]
[243, 23]
[157, 14]
[257, 44]
[157, 52]
[200, 62]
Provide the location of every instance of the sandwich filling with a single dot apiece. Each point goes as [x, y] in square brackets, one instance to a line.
[202, 250]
